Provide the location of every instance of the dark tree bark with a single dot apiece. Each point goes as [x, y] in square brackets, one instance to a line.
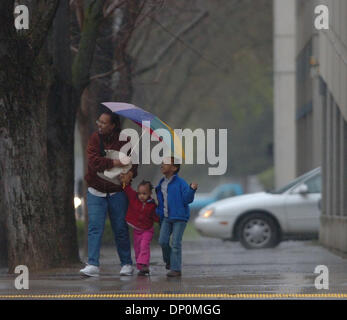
[3, 233]
[65, 96]
[60, 133]
[30, 217]
[30, 221]
[64, 99]
[27, 119]
[39, 95]
[93, 17]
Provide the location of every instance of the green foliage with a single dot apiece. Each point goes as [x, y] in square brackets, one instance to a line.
[267, 178]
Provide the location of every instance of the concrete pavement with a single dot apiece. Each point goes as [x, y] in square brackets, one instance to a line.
[210, 266]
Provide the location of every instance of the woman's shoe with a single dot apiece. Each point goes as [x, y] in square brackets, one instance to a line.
[126, 270]
[90, 271]
[173, 273]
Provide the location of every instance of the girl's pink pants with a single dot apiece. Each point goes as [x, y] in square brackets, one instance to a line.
[142, 242]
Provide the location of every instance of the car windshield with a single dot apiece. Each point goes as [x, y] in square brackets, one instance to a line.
[293, 183]
[216, 191]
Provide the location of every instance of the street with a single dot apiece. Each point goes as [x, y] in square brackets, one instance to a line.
[210, 266]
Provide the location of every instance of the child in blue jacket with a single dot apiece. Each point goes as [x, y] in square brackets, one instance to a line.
[174, 196]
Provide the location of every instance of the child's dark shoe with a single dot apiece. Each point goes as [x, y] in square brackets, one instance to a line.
[167, 266]
[173, 273]
[144, 271]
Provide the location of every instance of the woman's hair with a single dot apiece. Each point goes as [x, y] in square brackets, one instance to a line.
[113, 116]
[114, 119]
[144, 183]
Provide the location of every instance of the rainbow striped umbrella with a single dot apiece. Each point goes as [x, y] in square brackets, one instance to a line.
[138, 115]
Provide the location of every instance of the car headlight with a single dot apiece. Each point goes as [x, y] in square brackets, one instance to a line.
[207, 213]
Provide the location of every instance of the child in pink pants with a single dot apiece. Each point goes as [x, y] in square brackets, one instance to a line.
[141, 216]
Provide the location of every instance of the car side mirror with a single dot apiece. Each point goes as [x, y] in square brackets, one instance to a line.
[302, 189]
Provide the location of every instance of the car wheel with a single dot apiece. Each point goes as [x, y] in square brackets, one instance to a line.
[257, 230]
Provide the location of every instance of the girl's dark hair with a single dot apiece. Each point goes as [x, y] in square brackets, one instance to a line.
[144, 183]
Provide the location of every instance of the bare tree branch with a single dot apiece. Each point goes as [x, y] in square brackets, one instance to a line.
[176, 38]
[167, 66]
[78, 6]
[108, 10]
[74, 49]
[102, 75]
[143, 40]
[80, 69]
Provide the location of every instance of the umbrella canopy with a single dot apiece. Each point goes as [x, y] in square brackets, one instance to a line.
[138, 115]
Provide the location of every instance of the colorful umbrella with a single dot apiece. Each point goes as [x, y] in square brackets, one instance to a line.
[138, 115]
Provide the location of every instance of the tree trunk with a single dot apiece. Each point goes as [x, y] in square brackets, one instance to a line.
[60, 133]
[65, 95]
[34, 231]
[31, 235]
[30, 222]
[3, 234]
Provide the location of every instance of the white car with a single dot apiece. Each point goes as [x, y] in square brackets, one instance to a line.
[263, 219]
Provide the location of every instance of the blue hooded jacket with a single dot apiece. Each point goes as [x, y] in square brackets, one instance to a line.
[179, 195]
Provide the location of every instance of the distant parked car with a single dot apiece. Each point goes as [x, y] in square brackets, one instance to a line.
[263, 219]
[221, 192]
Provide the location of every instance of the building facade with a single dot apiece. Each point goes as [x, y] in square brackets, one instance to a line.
[320, 114]
[332, 59]
[284, 91]
[308, 115]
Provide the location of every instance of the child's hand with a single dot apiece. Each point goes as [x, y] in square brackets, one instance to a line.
[125, 178]
[194, 185]
[122, 179]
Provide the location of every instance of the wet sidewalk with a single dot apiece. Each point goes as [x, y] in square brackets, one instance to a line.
[210, 267]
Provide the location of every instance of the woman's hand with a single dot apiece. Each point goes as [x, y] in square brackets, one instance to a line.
[122, 162]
